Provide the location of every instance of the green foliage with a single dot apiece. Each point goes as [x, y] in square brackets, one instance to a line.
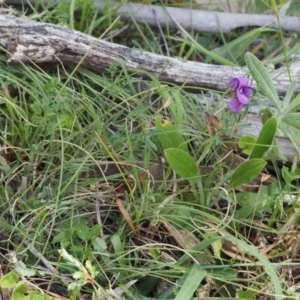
[265, 139]
[246, 171]
[80, 240]
[191, 282]
[169, 135]
[9, 280]
[293, 8]
[246, 143]
[257, 204]
[85, 274]
[20, 289]
[182, 163]
[291, 126]
[286, 116]
[262, 78]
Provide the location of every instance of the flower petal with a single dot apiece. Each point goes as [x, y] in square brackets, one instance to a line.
[234, 83]
[243, 82]
[247, 91]
[242, 97]
[235, 106]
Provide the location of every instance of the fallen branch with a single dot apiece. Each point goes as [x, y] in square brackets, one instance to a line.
[189, 19]
[28, 41]
[199, 20]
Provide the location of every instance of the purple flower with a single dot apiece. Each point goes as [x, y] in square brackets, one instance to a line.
[241, 92]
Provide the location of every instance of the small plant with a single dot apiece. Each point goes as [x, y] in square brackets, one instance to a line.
[21, 289]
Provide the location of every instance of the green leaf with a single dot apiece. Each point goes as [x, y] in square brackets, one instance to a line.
[83, 232]
[168, 135]
[265, 138]
[9, 280]
[290, 126]
[94, 232]
[294, 8]
[294, 105]
[246, 171]
[262, 78]
[182, 163]
[118, 249]
[37, 295]
[191, 283]
[246, 143]
[20, 291]
[99, 245]
[289, 94]
[66, 235]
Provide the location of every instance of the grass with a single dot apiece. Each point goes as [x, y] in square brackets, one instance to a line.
[86, 191]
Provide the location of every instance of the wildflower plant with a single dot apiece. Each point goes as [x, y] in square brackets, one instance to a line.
[282, 118]
[241, 92]
[284, 111]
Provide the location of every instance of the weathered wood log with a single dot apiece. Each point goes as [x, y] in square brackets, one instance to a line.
[28, 41]
[188, 18]
[199, 20]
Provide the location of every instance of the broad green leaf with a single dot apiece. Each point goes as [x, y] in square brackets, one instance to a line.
[290, 126]
[246, 143]
[99, 244]
[265, 138]
[191, 283]
[289, 94]
[262, 78]
[9, 280]
[66, 235]
[246, 171]
[117, 243]
[182, 163]
[37, 295]
[82, 233]
[94, 232]
[20, 291]
[168, 135]
[118, 248]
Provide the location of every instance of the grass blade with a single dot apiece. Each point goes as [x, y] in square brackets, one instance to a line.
[191, 283]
